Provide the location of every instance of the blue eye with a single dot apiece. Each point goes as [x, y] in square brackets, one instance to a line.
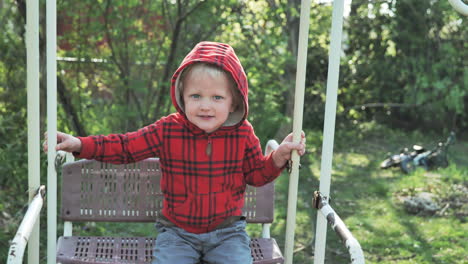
[195, 96]
[217, 97]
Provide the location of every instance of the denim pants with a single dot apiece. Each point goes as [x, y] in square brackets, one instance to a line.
[226, 245]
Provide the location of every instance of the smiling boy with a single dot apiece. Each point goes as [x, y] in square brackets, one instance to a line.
[208, 154]
[208, 96]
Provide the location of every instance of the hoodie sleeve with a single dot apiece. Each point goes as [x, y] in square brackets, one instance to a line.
[258, 169]
[123, 148]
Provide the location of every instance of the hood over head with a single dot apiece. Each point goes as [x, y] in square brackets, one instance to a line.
[223, 56]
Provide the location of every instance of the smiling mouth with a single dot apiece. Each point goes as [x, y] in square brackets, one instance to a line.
[205, 116]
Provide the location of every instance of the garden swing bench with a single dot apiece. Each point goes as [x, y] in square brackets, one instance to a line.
[94, 191]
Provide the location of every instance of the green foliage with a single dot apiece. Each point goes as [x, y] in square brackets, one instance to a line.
[13, 133]
[411, 54]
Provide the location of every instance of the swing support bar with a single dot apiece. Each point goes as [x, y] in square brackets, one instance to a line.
[297, 128]
[354, 248]
[329, 125]
[33, 123]
[26, 228]
[461, 7]
[51, 61]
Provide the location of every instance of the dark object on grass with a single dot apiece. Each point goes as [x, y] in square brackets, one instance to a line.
[421, 204]
[407, 160]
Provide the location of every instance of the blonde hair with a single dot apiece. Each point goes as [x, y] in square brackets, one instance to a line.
[214, 72]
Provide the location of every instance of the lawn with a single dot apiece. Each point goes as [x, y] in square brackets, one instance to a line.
[368, 199]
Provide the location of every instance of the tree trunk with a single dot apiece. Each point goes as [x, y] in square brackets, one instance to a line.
[70, 111]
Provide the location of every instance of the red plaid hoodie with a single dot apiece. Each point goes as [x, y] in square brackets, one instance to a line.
[200, 190]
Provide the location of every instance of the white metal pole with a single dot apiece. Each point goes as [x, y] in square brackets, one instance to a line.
[297, 128]
[461, 7]
[351, 243]
[32, 83]
[329, 125]
[51, 24]
[23, 235]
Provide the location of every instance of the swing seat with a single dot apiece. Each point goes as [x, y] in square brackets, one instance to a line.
[93, 191]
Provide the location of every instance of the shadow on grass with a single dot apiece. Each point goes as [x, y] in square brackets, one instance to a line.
[364, 198]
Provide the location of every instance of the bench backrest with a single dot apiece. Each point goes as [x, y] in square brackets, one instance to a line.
[103, 192]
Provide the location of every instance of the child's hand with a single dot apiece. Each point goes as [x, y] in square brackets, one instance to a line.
[65, 142]
[283, 152]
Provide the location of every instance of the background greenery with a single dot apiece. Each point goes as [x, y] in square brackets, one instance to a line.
[403, 80]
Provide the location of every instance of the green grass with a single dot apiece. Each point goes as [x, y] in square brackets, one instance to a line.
[369, 201]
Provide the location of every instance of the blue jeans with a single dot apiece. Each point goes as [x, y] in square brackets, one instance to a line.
[226, 245]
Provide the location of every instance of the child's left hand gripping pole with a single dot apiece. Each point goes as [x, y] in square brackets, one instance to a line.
[297, 128]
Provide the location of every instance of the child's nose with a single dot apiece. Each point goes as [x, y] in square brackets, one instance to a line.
[205, 104]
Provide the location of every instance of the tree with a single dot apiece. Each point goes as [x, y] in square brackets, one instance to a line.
[398, 58]
[125, 53]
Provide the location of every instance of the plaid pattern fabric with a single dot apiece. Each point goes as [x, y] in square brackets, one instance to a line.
[200, 189]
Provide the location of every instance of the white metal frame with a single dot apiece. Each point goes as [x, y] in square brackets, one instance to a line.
[297, 129]
[51, 25]
[354, 248]
[329, 125]
[27, 226]
[461, 7]
[32, 83]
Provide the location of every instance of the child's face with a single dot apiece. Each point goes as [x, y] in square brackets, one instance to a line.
[207, 100]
